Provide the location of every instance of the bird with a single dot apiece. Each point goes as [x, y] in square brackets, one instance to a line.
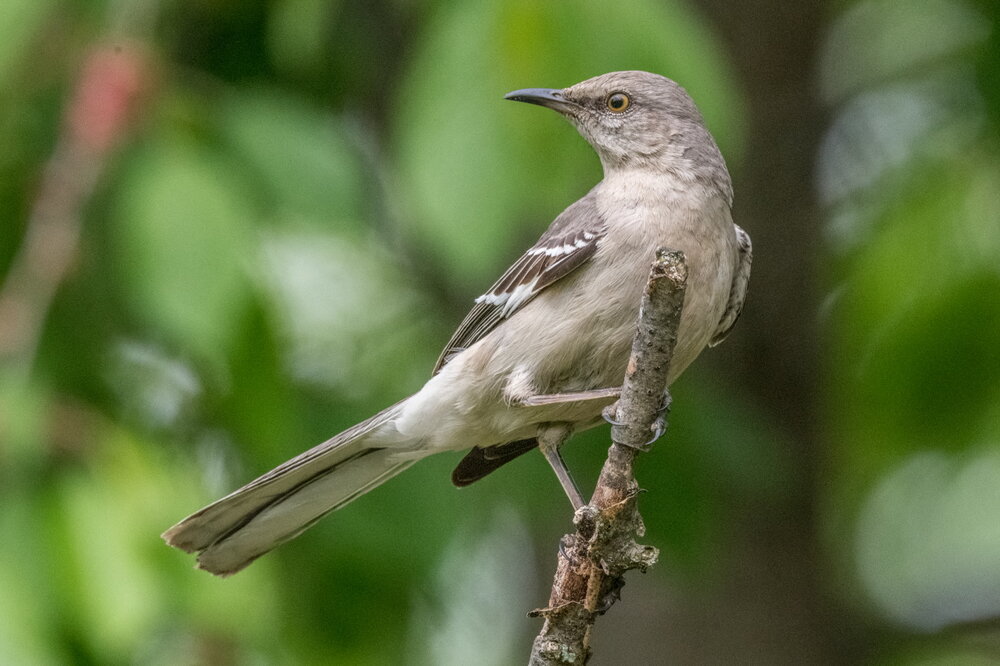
[548, 343]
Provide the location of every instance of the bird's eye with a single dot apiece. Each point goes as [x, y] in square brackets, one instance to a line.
[618, 102]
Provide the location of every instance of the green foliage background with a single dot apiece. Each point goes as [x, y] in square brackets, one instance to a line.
[306, 198]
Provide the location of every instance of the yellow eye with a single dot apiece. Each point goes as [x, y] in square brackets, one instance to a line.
[618, 102]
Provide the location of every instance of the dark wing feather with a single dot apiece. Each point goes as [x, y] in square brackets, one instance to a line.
[568, 243]
[738, 292]
[478, 462]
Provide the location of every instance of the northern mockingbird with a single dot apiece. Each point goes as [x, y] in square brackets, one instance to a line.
[548, 343]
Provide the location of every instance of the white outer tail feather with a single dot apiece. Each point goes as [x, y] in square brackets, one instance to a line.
[232, 532]
[289, 517]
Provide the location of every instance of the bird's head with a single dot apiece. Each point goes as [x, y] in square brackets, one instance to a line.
[633, 120]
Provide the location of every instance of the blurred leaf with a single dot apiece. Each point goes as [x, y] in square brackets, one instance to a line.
[20, 21]
[114, 583]
[297, 33]
[329, 294]
[24, 408]
[182, 228]
[473, 166]
[111, 590]
[151, 387]
[868, 153]
[917, 354]
[263, 414]
[28, 614]
[928, 544]
[876, 40]
[474, 613]
[298, 157]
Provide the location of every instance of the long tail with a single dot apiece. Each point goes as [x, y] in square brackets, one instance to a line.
[232, 532]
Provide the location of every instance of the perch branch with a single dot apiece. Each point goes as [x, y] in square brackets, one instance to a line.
[592, 562]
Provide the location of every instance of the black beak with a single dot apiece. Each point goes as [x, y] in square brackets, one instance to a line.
[548, 97]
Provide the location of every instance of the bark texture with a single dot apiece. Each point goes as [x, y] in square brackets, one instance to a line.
[593, 560]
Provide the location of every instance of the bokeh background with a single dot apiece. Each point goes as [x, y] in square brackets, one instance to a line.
[230, 229]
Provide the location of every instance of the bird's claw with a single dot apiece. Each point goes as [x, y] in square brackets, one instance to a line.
[658, 427]
[564, 551]
[609, 413]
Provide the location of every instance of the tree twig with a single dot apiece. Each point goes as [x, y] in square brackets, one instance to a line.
[96, 120]
[592, 562]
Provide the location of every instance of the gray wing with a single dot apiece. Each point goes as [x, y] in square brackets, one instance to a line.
[568, 243]
[738, 291]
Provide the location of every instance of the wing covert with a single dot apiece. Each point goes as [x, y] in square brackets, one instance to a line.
[569, 242]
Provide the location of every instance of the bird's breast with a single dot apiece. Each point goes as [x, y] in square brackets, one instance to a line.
[576, 334]
[656, 211]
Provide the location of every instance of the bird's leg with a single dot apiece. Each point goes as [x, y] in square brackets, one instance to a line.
[550, 438]
[576, 396]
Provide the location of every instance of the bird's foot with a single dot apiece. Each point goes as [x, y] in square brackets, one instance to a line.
[564, 549]
[610, 413]
[659, 425]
